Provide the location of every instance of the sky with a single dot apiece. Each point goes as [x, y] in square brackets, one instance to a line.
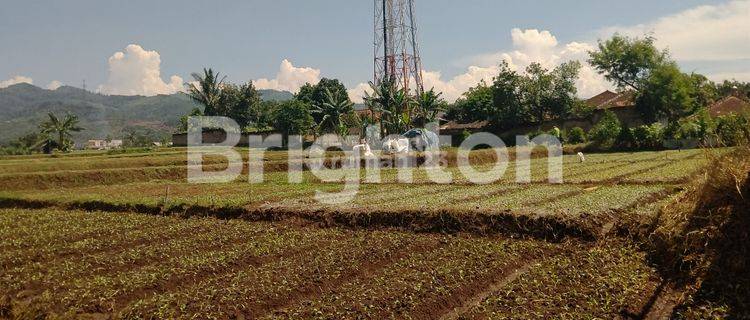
[152, 47]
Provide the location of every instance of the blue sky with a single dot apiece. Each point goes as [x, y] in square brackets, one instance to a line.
[69, 41]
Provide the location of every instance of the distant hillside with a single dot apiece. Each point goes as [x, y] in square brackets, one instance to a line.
[24, 106]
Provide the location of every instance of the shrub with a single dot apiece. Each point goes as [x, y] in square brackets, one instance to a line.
[699, 127]
[576, 135]
[648, 137]
[626, 139]
[605, 132]
[732, 129]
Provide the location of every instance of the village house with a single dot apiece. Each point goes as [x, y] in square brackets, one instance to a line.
[103, 144]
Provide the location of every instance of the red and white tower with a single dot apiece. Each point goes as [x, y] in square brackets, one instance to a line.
[396, 47]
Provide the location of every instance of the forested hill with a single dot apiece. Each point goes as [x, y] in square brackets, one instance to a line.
[24, 106]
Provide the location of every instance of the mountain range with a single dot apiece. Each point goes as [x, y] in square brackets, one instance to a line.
[24, 106]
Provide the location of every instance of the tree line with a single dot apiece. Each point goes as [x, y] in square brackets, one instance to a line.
[321, 108]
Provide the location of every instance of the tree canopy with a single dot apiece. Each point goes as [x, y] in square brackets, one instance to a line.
[662, 91]
[627, 62]
[513, 99]
[292, 118]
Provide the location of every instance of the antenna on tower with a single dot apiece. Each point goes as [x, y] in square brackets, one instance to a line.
[397, 57]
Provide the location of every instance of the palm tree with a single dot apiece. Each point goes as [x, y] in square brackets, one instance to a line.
[63, 128]
[206, 90]
[430, 104]
[333, 112]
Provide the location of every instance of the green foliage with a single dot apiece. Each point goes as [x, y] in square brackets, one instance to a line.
[606, 132]
[240, 103]
[394, 104]
[207, 91]
[667, 93]
[141, 137]
[429, 104]
[183, 127]
[648, 137]
[506, 109]
[733, 129]
[550, 95]
[292, 118]
[263, 112]
[627, 62]
[333, 113]
[705, 92]
[700, 126]
[62, 129]
[476, 104]
[316, 94]
[516, 99]
[24, 145]
[734, 87]
[576, 135]
[23, 107]
[662, 90]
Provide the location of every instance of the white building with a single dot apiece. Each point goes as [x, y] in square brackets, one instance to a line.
[103, 144]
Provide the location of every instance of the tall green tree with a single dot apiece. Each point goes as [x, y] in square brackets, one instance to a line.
[207, 91]
[62, 129]
[705, 91]
[507, 107]
[262, 114]
[666, 94]
[476, 104]
[315, 95]
[662, 90]
[537, 92]
[333, 113]
[293, 118]
[626, 61]
[239, 103]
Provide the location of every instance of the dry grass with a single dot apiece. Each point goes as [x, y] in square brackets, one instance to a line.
[700, 240]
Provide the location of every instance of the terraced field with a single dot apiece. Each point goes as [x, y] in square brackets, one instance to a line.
[124, 236]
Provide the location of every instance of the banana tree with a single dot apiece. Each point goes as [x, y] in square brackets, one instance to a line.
[62, 128]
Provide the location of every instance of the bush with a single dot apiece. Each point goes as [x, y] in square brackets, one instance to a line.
[626, 139]
[576, 135]
[732, 129]
[649, 137]
[605, 132]
[699, 127]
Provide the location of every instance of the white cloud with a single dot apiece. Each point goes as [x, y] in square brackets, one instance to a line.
[357, 94]
[703, 33]
[528, 46]
[289, 78]
[15, 80]
[54, 85]
[138, 72]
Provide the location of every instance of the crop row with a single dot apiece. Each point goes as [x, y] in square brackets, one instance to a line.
[103, 281]
[608, 281]
[423, 284]
[255, 290]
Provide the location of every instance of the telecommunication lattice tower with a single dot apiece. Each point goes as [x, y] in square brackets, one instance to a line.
[396, 48]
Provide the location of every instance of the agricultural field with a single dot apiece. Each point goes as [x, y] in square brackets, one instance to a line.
[106, 235]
